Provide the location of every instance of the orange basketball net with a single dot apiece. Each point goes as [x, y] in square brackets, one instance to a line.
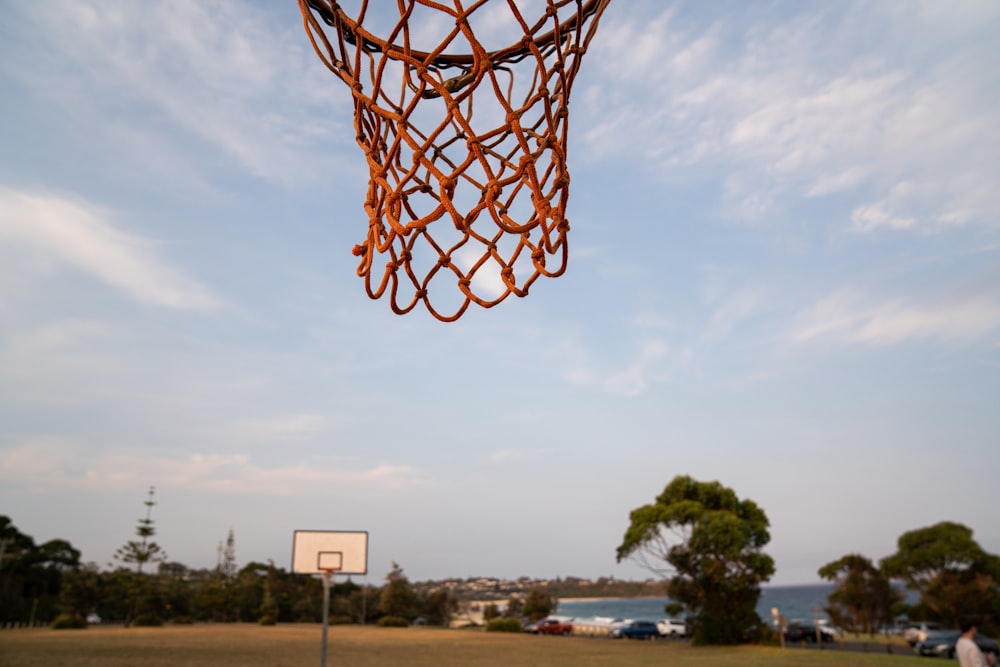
[474, 142]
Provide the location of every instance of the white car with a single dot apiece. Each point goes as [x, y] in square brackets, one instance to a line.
[671, 627]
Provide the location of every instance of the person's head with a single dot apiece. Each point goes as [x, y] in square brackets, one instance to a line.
[966, 624]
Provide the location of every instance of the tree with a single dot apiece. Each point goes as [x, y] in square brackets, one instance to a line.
[397, 598]
[31, 575]
[538, 604]
[439, 606]
[954, 576]
[143, 550]
[490, 612]
[147, 603]
[863, 597]
[80, 590]
[712, 544]
[514, 608]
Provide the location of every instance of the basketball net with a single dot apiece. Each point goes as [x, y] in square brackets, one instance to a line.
[475, 143]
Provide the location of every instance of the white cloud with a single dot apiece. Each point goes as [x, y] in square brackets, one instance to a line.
[53, 464]
[82, 235]
[847, 316]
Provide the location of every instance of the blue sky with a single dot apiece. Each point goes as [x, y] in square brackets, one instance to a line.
[784, 275]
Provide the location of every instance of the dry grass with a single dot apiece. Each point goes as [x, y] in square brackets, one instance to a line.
[353, 646]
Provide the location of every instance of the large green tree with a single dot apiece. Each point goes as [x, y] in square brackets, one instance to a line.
[710, 545]
[863, 598]
[954, 576]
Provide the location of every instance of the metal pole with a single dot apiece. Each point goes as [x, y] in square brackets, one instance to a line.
[326, 614]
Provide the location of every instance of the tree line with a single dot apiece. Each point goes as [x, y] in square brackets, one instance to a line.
[700, 537]
[48, 584]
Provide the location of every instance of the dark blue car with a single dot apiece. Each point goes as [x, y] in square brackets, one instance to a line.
[942, 643]
[636, 630]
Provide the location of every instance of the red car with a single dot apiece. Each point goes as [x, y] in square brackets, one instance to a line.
[550, 626]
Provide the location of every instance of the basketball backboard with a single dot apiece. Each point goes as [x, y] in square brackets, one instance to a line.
[336, 551]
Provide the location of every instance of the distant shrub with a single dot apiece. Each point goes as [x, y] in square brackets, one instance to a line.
[504, 625]
[393, 622]
[147, 621]
[340, 619]
[763, 634]
[69, 622]
[267, 619]
[491, 611]
[182, 620]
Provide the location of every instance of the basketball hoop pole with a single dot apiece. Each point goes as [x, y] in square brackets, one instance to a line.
[327, 576]
[327, 552]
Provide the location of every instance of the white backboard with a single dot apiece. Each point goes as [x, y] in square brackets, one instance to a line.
[343, 551]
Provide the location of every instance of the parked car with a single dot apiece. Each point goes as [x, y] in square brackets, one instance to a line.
[671, 627]
[93, 619]
[799, 632]
[914, 633]
[550, 626]
[636, 630]
[941, 644]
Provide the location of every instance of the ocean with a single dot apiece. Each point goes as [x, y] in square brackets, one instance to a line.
[792, 602]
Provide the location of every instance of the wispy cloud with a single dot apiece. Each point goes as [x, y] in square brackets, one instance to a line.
[509, 455]
[734, 308]
[53, 464]
[847, 315]
[776, 109]
[645, 368]
[221, 72]
[281, 427]
[82, 235]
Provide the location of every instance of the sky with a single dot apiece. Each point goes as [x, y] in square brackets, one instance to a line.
[784, 275]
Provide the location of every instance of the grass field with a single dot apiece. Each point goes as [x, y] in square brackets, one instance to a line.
[353, 646]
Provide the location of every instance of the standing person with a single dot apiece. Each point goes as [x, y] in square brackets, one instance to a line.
[967, 652]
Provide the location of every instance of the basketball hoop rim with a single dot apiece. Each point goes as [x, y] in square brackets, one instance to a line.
[332, 14]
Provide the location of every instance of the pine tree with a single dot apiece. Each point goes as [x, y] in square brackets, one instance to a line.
[146, 607]
[144, 550]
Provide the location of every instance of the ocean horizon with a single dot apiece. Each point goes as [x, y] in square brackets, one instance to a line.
[794, 602]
